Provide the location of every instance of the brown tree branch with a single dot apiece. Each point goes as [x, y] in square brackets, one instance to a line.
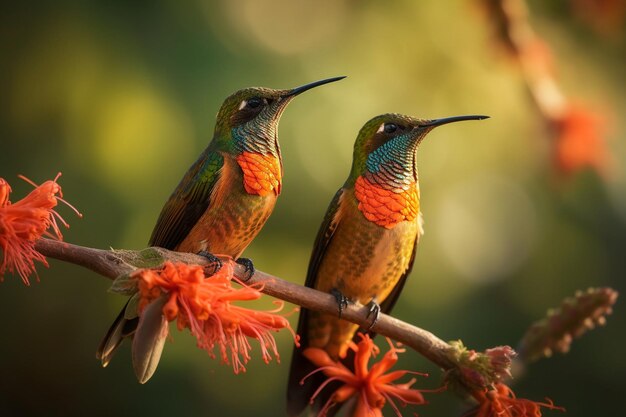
[578, 131]
[111, 264]
[510, 18]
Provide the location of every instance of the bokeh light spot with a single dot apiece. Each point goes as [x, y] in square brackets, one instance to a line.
[273, 24]
[486, 227]
[140, 137]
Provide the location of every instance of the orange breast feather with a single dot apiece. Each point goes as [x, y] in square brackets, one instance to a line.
[261, 173]
[385, 207]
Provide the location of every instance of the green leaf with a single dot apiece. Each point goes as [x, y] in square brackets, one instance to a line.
[124, 285]
[145, 258]
[148, 258]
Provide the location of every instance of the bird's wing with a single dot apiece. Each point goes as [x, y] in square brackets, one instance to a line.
[298, 396]
[324, 237]
[188, 202]
[183, 209]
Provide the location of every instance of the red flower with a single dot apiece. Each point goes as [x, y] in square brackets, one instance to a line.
[580, 141]
[501, 402]
[204, 306]
[26, 221]
[373, 387]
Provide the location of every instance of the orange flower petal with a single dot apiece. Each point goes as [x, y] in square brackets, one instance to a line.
[372, 386]
[204, 306]
[26, 221]
[581, 141]
[501, 402]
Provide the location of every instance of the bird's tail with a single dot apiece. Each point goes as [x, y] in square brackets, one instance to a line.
[299, 391]
[303, 383]
[124, 326]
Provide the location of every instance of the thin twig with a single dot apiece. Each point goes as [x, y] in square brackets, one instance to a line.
[110, 265]
[510, 17]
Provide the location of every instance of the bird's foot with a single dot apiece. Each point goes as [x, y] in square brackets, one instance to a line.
[342, 300]
[374, 310]
[213, 260]
[248, 265]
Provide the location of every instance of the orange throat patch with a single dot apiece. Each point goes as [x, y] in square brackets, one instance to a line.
[262, 174]
[385, 207]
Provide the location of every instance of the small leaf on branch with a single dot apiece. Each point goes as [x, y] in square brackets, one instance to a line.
[145, 258]
[124, 285]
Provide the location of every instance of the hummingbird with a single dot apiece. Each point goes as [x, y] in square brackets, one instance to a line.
[227, 195]
[366, 244]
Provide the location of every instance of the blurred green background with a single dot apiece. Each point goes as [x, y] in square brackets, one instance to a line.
[122, 96]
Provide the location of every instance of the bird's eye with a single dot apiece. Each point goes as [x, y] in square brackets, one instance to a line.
[254, 102]
[390, 127]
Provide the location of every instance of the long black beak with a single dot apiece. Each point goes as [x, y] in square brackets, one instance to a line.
[303, 88]
[445, 120]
